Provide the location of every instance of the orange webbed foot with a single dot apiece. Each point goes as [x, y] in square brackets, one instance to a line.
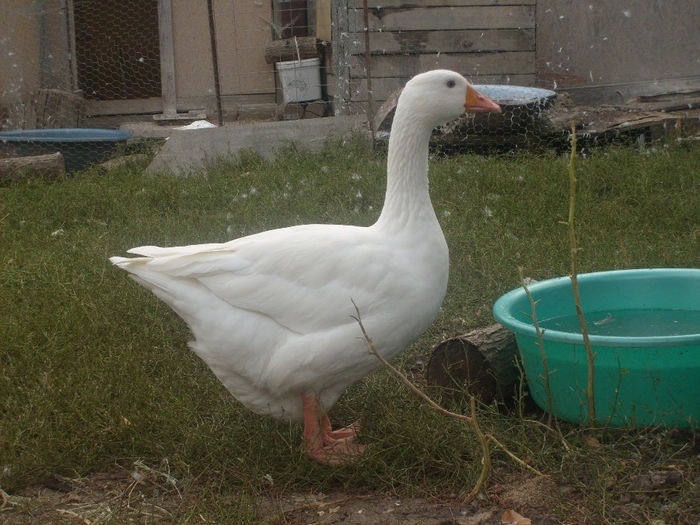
[325, 445]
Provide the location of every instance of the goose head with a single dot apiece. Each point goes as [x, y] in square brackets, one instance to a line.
[439, 96]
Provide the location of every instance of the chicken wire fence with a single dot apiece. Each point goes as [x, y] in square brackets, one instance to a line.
[158, 64]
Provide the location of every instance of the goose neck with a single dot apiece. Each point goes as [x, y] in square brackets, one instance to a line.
[407, 195]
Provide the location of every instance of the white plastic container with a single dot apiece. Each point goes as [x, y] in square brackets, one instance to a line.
[300, 79]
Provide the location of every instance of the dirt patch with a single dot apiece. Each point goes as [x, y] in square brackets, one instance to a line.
[146, 497]
[100, 498]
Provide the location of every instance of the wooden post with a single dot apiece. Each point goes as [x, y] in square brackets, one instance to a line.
[215, 63]
[72, 46]
[341, 57]
[167, 58]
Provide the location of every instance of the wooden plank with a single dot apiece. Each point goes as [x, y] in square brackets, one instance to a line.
[452, 41]
[511, 62]
[426, 18]
[382, 88]
[381, 4]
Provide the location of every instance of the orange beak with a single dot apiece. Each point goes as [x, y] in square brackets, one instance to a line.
[478, 103]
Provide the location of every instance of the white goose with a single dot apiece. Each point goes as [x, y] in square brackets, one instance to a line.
[271, 313]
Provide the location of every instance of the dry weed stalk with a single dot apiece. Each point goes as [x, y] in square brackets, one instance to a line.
[473, 422]
[574, 280]
[540, 343]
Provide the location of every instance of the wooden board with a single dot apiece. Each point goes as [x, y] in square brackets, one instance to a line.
[470, 64]
[452, 41]
[422, 18]
[438, 3]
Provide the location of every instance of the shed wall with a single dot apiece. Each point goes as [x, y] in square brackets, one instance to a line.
[489, 41]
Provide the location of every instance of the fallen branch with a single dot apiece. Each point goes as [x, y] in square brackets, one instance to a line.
[514, 457]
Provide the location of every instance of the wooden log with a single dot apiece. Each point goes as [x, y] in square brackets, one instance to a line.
[49, 166]
[300, 47]
[482, 361]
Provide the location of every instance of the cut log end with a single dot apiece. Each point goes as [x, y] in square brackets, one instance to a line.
[482, 362]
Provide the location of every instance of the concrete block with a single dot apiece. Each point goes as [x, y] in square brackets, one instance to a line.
[187, 150]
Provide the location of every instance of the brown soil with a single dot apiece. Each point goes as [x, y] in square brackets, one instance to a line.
[138, 497]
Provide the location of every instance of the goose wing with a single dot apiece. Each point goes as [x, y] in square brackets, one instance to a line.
[304, 277]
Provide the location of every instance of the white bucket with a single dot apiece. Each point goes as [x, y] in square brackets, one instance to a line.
[301, 79]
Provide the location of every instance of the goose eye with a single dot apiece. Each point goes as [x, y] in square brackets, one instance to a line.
[451, 83]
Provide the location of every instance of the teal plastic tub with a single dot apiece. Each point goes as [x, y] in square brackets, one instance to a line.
[644, 328]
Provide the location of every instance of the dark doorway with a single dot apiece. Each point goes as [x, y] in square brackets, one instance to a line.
[117, 49]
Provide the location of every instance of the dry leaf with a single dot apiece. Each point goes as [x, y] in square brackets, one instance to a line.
[592, 442]
[510, 517]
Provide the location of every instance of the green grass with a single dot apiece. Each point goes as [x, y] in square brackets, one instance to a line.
[95, 370]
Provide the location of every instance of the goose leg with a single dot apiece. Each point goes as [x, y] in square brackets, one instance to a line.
[337, 452]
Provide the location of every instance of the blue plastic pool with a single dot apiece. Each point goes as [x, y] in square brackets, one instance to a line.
[80, 147]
